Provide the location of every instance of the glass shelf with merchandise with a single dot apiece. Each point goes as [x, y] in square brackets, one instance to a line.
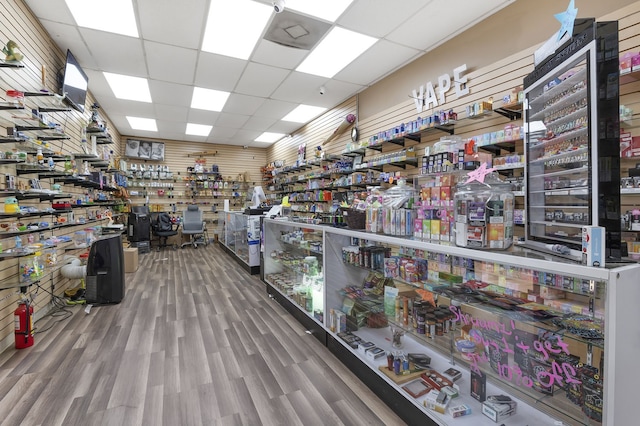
[536, 321]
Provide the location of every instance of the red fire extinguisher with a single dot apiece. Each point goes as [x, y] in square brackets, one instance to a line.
[23, 319]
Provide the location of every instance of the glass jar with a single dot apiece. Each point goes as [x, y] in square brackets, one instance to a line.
[484, 214]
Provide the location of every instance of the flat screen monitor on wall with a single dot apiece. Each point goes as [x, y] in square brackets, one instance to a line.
[74, 83]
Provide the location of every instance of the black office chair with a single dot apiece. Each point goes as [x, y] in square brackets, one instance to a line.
[164, 228]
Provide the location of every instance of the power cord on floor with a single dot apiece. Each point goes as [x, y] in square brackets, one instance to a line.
[59, 309]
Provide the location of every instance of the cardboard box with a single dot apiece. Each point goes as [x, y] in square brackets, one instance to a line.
[130, 259]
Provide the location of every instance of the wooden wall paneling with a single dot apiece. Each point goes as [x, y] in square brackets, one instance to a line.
[233, 162]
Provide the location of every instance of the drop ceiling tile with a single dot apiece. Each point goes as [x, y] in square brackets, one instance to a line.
[414, 33]
[201, 116]
[234, 121]
[136, 109]
[382, 58]
[242, 104]
[98, 85]
[174, 127]
[275, 109]
[259, 123]
[171, 112]
[260, 80]
[377, 18]
[298, 86]
[117, 53]
[52, 10]
[177, 136]
[171, 93]
[165, 21]
[243, 137]
[69, 36]
[170, 63]
[276, 55]
[286, 127]
[335, 93]
[218, 72]
[223, 133]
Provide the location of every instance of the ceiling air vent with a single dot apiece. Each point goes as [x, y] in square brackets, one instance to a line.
[293, 30]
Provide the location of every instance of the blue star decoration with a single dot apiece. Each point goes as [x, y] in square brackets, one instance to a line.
[567, 19]
[479, 173]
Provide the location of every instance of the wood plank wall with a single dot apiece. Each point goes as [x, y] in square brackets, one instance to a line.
[235, 164]
[19, 24]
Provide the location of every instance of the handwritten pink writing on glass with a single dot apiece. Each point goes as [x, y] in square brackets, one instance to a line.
[558, 374]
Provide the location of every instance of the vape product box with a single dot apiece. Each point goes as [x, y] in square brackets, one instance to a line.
[452, 374]
[374, 353]
[475, 236]
[499, 407]
[451, 391]
[436, 401]
[460, 410]
[593, 241]
[341, 321]
[363, 346]
[478, 385]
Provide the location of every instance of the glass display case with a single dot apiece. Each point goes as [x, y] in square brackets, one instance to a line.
[492, 330]
[294, 265]
[242, 239]
[572, 144]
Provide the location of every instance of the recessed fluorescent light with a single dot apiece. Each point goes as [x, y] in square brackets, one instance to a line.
[127, 87]
[138, 123]
[114, 16]
[234, 27]
[304, 113]
[209, 99]
[198, 129]
[329, 10]
[335, 52]
[269, 137]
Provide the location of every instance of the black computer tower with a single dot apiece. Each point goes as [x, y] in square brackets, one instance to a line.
[105, 270]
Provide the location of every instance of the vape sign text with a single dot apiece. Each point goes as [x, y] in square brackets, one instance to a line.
[425, 97]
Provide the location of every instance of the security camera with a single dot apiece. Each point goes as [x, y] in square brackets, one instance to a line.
[278, 5]
[323, 90]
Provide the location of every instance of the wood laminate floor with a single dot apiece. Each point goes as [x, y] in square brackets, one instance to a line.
[196, 341]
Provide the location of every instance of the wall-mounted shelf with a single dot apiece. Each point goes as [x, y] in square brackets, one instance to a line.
[512, 111]
[4, 64]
